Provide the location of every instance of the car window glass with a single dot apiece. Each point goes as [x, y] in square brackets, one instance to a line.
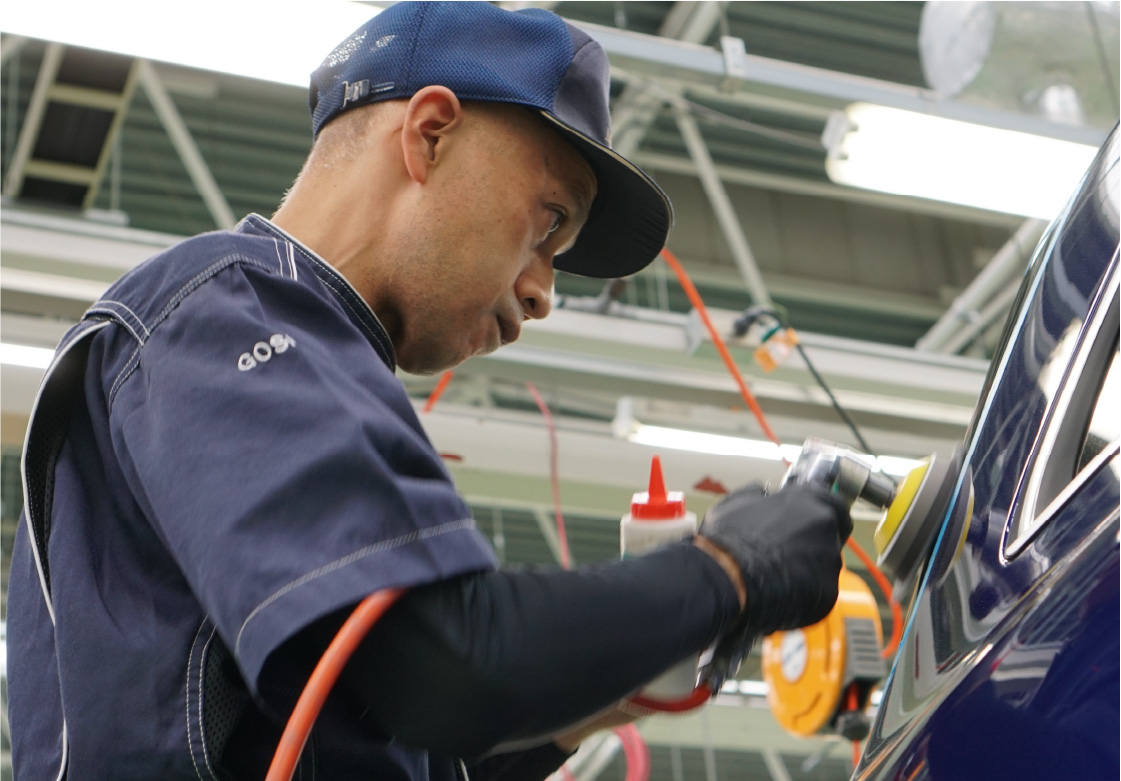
[1105, 424]
[1082, 422]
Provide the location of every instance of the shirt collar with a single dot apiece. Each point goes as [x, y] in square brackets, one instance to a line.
[353, 304]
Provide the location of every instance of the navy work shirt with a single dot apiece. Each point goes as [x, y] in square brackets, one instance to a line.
[242, 462]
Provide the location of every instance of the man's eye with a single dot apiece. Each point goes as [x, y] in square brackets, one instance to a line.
[558, 220]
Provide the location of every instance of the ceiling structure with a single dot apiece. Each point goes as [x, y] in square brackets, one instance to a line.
[107, 159]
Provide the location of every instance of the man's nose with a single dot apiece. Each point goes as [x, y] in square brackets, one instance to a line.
[534, 288]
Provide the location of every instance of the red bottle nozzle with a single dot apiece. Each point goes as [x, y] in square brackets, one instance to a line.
[658, 504]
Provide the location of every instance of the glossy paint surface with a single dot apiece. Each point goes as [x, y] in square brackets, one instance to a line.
[1009, 663]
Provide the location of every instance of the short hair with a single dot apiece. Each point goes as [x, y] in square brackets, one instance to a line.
[344, 137]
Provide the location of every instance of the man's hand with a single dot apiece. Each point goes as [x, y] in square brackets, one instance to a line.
[788, 549]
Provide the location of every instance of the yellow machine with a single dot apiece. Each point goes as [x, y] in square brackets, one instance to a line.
[820, 678]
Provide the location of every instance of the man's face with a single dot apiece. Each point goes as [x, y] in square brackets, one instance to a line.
[479, 250]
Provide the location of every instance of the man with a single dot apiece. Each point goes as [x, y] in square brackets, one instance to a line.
[222, 464]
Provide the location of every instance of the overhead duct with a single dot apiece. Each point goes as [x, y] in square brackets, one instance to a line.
[1057, 60]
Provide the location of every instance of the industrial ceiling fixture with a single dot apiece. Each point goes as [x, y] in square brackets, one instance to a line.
[626, 425]
[281, 47]
[908, 153]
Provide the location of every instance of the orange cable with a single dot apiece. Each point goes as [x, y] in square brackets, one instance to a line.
[319, 685]
[699, 697]
[634, 747]
[885, 587]
[722, 348]
[854, 704]
[554, 478]
[438, 391]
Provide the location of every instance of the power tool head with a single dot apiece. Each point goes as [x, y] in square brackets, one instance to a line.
[909, 528]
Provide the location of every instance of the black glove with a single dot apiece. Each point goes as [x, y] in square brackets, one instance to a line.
[788, 548]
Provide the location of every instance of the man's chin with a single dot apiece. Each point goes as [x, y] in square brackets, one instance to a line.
[428, 365]
[427, 362]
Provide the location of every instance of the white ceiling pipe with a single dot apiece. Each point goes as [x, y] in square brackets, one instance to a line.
[635, 109]
[722, 205]
[989, 314]
[185, 145]
[1008, 262]
[33, 120]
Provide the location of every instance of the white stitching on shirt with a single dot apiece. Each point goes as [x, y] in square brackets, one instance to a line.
[276, 244]
[125, 307]
[125, 372]
[118, 318]
[190, 657]
[318, 266]
[202, 674]
[369, 330]
[292, 260]
[350, 558]
[183, 292]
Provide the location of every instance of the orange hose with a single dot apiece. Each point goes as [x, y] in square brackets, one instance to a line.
[326, 672]
[699, 697]
[438, 391]
[722, 348]
[702, 310]
[852, 705]
[554, 479]
[636, 753]
[885, 587]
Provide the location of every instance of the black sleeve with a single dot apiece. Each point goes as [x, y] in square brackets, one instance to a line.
[463, 665]
[535, 764]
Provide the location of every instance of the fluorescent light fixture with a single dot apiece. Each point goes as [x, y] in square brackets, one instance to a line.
[700, 442]
[22, 355]
[274, 41]
[718, 444]
[909, 153]
[627, 426]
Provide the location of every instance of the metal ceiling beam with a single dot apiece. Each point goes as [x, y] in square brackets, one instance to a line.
[185, 145]
[722, 206]
[608, 354]
[10, 47]
[775, 766]
[1006, 266]
[990, 313]
[635, 109]
[33, 119]
[651, 56]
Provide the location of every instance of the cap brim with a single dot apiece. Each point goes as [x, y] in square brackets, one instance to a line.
[630, 217]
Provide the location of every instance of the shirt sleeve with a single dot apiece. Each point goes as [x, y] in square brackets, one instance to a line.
[516, 656]
[281, 462]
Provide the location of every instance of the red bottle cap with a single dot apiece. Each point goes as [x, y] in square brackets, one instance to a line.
[657, 504]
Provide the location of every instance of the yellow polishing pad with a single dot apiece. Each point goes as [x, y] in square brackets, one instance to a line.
[895, 514]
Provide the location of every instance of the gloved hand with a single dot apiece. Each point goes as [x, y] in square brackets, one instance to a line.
[788, 548]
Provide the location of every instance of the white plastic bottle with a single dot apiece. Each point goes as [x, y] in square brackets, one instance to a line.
[658, 518]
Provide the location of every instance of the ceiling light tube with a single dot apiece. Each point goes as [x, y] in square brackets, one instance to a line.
[717, 444]
[22, 355]
[909, 153]
[260, 39]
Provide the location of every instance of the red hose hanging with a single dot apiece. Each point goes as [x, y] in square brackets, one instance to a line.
[753, 405]
[371, 609]
[326, 672]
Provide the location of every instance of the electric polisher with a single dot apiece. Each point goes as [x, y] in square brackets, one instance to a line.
[821, 677]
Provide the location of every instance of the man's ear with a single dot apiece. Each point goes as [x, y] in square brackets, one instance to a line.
[432, 114]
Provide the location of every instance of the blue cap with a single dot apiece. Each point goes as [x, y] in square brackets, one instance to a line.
[531, 58]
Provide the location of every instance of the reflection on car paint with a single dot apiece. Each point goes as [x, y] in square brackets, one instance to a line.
[1009, 664]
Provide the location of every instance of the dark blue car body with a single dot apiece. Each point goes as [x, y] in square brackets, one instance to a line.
[1009, 663]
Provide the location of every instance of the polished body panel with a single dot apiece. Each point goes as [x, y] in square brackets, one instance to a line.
[1009, 663]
